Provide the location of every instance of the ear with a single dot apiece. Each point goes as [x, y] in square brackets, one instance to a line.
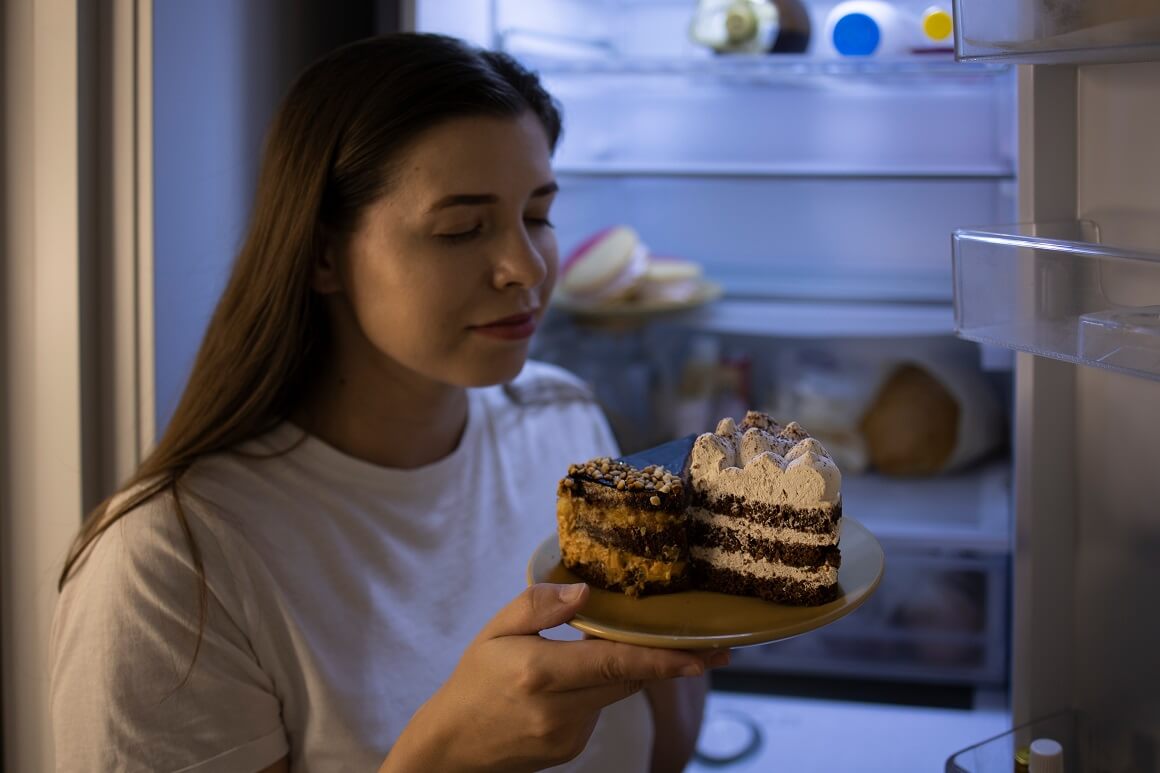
[325, 279]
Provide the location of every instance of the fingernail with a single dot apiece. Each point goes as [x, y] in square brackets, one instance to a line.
[569, 593]
[692, 670]
[718, 659]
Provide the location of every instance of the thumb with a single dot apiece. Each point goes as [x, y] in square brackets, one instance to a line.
[540, 606]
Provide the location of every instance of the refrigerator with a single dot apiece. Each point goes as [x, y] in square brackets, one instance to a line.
[995, 207]
[990, 213]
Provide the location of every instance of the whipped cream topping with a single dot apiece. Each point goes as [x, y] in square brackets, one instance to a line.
[787, 467]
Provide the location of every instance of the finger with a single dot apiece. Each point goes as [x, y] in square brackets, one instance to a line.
[594, 663]
[711, 658]
[539, 607]
[716, 658]
[595, 698]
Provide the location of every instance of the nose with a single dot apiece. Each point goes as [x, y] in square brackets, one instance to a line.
[524, 260]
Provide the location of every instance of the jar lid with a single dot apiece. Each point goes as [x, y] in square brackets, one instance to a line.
[1046, 756]
[937, 24]
[856, 34]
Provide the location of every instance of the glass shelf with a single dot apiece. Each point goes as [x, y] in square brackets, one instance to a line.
[1051, 32]
[755, 68]
[821, 319]
[787, 168]
[1086, 292]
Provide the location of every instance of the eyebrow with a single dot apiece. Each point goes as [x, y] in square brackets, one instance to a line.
[472, 199]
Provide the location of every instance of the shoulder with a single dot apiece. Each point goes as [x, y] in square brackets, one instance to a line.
[156, 551]
[151, 635]
[541, 383]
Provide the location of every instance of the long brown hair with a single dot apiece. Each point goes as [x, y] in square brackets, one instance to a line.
[329, 154]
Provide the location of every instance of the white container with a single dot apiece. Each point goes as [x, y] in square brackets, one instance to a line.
[868, 28]
[1046, 756]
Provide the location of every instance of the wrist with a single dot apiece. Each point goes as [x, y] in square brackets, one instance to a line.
[422, 747]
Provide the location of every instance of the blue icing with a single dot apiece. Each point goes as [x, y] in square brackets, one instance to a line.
[672, 455]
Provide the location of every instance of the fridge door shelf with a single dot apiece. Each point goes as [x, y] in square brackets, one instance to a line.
[1080, 291]
[1088, 744]
[1048, 32]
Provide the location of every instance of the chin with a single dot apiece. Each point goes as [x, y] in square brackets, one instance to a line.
[493, 370]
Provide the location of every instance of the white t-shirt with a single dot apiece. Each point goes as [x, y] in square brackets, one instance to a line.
[341, 596]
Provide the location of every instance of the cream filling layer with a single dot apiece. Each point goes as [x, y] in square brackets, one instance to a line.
[747, 528]
[762, 569]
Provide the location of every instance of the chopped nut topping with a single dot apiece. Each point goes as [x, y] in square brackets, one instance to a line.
[624, 477]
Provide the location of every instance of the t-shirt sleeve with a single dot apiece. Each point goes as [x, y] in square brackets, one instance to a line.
[123, 639]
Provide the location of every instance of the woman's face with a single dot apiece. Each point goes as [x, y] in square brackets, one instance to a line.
[448, 274]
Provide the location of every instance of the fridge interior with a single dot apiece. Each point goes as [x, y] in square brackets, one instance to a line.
[820, 192]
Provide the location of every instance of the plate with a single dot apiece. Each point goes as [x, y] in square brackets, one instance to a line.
[707, 292]
[706, 620]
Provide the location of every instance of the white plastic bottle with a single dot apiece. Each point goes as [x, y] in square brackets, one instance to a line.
[1046, 756]
[868, 28]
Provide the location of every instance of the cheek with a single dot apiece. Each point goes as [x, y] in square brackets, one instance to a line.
[395, 304]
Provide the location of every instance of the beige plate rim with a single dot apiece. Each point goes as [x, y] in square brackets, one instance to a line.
[706, 620]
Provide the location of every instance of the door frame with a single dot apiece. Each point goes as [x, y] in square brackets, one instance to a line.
[75, 329]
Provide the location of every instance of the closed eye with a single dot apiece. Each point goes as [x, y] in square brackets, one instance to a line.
[541, 222]
[461, 236]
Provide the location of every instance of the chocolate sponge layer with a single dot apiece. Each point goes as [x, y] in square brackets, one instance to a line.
[780, 590]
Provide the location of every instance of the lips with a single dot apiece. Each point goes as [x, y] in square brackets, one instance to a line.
[513, 328]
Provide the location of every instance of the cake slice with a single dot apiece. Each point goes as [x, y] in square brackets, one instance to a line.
[765, 506]
[747, 510]
[623, 527]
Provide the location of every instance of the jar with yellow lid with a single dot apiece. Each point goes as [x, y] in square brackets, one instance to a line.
[936, 28]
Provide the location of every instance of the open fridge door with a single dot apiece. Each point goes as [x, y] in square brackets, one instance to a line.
[1076, 288]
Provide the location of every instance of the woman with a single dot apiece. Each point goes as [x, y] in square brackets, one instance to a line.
[315, 568]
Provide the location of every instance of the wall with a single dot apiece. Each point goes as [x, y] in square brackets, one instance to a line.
[220, 69]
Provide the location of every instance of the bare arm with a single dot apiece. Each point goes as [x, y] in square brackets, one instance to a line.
[677, 707]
